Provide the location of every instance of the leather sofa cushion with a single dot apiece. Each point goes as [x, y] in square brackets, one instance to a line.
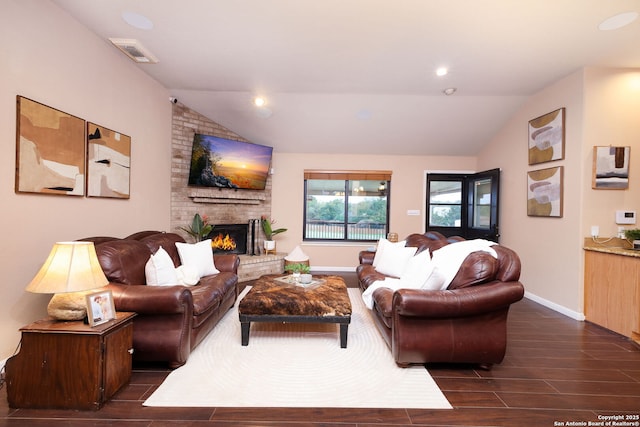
[123, 261]
[168, 243]
[368, 274]
[209, 293]
[383, 304]
[430, 241]
[478, 267]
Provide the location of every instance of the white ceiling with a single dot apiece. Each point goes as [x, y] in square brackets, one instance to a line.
[358, 76]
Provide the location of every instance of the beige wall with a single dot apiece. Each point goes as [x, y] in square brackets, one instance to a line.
[407, 193]
[602, 108]
[48, 57]
[612, 117]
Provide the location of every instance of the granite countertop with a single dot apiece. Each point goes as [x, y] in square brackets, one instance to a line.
[613, 246]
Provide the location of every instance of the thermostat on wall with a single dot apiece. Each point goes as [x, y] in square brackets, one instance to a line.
[625, 217]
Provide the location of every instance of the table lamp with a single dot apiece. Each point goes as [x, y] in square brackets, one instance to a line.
[70, 272]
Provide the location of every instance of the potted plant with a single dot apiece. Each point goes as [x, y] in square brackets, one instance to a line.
[269, 232]
[299, 271]
[633, 236]
[199, 228]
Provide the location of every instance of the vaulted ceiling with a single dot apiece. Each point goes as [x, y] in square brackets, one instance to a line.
[358, 76]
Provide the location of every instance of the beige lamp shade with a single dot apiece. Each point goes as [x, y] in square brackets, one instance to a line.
[70, 267]
[70, 272]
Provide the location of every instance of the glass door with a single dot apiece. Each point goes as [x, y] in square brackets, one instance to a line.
[464, 205]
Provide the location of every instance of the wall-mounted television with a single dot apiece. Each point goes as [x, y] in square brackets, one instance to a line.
[225, 163]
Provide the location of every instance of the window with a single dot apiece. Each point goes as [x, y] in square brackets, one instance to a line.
[346, 205]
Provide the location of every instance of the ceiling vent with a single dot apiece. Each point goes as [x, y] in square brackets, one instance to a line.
[134, 50]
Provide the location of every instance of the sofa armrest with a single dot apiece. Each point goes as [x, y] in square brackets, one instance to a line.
[457, 303]
[366, 257]
[144, 299]
[227, 262]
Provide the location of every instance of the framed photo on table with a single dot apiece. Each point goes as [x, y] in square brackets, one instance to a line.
[100, 307]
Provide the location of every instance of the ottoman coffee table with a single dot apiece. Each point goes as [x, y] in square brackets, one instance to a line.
[277, 298]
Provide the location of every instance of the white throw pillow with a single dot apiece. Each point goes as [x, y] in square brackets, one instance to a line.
[394, 260]
[382, 244]
[198, 256]
[417, 271]
[159, 270]
[187, 275]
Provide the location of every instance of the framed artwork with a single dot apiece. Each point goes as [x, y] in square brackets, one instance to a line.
[108, 162]
[544, 192]
[100, 308]
[546, 137]
[611, 168]
[50, 150]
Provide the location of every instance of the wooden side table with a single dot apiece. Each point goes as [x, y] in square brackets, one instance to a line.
[70, 365]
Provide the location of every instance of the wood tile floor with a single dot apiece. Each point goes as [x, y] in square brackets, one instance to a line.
[557, 372]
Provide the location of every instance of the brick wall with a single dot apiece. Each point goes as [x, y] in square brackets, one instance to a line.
[222, 206]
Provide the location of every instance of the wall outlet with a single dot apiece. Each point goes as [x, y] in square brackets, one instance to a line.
[621, 233]
[595, 230]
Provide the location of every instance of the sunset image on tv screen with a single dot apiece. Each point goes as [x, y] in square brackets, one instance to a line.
[225, 163]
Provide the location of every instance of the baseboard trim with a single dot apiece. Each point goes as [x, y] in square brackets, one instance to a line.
[339, 269]
[555, 307]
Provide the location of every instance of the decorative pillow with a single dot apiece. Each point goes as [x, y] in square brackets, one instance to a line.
[417, 271]
[159, 270]
[382, 244]
[187, 275]
[394, 260]
[198, 256]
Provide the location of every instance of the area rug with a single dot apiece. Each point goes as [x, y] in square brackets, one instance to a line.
[297, 365]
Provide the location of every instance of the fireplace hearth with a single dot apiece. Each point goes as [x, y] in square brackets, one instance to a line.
[229, 238]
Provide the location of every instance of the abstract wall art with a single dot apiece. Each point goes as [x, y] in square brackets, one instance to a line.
[544, 192]
[546, 137]
[611, 168]
[108, 162]
[50, 150]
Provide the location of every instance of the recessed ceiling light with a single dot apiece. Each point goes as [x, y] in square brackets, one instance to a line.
[442, 71]
[618, 21]
[259, 101]
[136, 20]
[449, 91]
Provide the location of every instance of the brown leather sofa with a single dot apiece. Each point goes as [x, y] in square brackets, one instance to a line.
[171, 320]
[466, 323]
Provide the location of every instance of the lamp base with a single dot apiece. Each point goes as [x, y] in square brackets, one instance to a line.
[68, 306]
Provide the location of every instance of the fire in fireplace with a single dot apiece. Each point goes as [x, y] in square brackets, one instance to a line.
[229, 238]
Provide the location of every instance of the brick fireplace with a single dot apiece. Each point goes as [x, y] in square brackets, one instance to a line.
[222, 206]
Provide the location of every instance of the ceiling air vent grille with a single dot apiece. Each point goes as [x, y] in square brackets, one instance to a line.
[134, 50]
